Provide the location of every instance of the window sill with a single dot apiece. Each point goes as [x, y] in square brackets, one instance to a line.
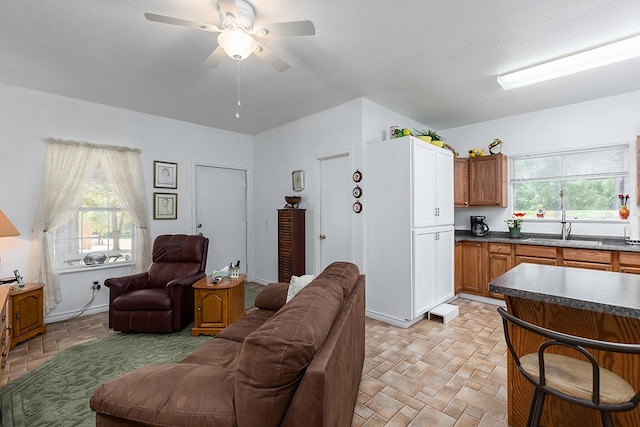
[579, 220]
[94, 267]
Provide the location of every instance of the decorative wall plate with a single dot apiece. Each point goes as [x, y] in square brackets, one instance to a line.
[357, 192]
[357, 207]
[357, 176]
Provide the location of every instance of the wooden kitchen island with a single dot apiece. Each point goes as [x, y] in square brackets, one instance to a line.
[594, 304]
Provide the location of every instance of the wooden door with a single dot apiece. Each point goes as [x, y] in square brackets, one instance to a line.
[473, 280]
[461, 182]
[488, 180]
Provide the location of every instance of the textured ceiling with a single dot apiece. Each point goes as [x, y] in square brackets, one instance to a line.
[433, 61]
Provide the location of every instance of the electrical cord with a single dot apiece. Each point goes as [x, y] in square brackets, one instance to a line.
[94, 292]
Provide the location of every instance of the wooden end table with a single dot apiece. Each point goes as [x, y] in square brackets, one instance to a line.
[26, 313]
[217, 305]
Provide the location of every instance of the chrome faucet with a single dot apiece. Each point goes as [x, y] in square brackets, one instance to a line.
[565, 230]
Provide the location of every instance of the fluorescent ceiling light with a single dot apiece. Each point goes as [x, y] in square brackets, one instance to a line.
[611, 53]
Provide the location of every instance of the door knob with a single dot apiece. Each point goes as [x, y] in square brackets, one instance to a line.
[322, 237]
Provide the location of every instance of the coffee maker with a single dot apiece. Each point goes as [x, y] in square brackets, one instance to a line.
[478, 227]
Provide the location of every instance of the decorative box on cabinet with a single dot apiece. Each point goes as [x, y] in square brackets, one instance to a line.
[291, 241]
[488, 180]
[26, 313]
[410, 241]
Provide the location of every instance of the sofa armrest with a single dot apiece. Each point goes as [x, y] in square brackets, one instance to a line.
[117, 285]
[185, 281]
[272, 297]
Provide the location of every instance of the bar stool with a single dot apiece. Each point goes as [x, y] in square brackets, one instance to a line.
[575, 380]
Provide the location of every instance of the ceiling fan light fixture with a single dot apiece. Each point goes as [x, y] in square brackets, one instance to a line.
[599, 56]
[237, 44]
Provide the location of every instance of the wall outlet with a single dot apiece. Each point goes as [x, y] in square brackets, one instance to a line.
[95, 285]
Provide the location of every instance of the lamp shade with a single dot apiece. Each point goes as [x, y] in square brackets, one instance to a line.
[6, 228]
[237, 44]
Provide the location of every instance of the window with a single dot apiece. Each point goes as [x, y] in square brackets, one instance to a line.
[100, 233]
[590, 180]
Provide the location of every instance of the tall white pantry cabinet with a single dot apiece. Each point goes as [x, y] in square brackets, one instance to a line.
[410, 237]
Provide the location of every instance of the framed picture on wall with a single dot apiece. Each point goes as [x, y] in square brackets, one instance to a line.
[165, 206]
[165, 174]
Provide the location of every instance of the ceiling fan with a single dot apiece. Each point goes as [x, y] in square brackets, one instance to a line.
[238, 33]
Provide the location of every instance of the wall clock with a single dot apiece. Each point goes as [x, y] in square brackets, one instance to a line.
[297, 180]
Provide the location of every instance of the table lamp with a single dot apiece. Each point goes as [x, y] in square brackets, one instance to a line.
[6, 228]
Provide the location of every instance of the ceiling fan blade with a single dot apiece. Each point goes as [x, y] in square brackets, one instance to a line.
[229, 9]
[181, 22]
[216, 57]
[271, 58]
[293, 28]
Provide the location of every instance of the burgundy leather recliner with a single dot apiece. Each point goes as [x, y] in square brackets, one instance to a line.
[160, 300]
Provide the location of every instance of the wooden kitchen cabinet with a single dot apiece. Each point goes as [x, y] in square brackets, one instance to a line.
[587, 258]
[629, 262]
[500, 261]
[488, 180]
[546, 255]
[26, 313]
[457, 278]
[461, 182]
[472, 272]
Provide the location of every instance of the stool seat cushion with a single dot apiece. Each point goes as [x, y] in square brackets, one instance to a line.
[574, 377]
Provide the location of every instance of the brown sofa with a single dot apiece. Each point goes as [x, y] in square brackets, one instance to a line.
[293, 364]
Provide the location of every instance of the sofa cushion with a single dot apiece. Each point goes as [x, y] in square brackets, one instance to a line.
[274, 357]
[242, 327]
[272, 297]
[143, 300]
[173, 395]
[220, 353]
[343, 273]
[297, 283]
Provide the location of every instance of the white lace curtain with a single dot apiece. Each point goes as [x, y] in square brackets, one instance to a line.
[67, 167]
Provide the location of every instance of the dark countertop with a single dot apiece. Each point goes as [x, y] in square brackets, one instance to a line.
[575, 241]
[599, 291]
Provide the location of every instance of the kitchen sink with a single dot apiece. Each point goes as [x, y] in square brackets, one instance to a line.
[568, 242]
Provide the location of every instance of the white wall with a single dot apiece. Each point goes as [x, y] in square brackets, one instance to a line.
[594, 123]
[27, 117]
[297, 145]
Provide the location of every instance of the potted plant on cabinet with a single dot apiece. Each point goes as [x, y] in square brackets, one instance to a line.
[514, 225]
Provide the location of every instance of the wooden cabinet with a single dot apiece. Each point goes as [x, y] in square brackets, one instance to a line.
[4, 327]
[629, 262]
[457, 279]
[291, 244]
[217, 305]
[461, 182]
[472, 268]
[26, 313]
[546, 255]
[500, 261]
[488, 180]
[587, 258]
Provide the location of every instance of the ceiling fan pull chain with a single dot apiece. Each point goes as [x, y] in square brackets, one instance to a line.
[238, 89]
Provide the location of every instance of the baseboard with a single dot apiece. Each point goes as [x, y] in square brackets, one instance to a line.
[486, 300]
[393, 321]
[259, 280]
[61, 317]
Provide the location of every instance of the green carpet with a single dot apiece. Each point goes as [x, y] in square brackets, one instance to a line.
[57, 392]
